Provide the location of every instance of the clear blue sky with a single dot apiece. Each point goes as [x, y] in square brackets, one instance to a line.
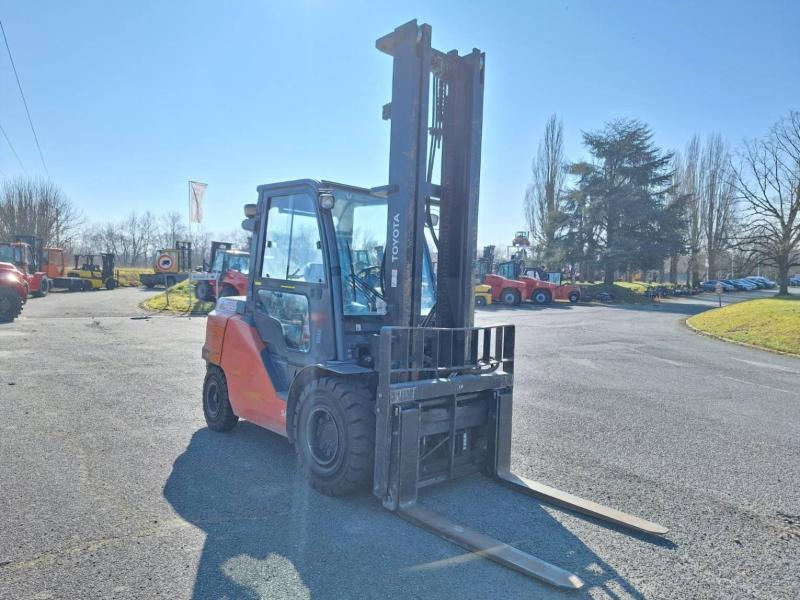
[132, 99]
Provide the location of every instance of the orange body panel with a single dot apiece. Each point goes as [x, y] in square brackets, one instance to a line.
[55, 267]
[236, 347]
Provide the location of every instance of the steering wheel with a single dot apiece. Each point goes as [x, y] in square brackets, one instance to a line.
[367, 273]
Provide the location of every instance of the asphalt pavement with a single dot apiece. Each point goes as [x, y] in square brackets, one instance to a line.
[111, 486]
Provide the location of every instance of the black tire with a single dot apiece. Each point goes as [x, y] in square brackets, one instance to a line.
[228, 290]
[334, 434]
[541, 297]
[511, 297]
[480, 301]
[170, 282]
[574, 297]
[44, 288]
[216, 406]
[87, 285]
[10, 304]
[149, 286]
[202, 291]
[111, 283]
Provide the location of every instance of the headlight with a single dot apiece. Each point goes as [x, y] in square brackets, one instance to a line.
[9, 276]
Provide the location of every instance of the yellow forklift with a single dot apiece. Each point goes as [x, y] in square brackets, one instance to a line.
[96, 270]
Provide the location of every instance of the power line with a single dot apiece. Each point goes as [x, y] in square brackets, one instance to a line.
[10, 145]
[25, 102]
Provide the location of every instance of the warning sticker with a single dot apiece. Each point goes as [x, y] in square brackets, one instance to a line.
[394, 278]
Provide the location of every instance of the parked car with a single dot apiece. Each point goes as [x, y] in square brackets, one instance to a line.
[748, 285]
[711, 286]
[740, 287]
[761, 285]
[794, 280]
[766, 283]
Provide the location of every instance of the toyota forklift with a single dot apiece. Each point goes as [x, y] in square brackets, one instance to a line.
[352, 345]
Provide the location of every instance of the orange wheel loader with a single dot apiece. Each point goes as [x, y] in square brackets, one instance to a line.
[352, 345]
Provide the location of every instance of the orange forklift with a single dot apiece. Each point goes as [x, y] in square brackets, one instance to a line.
[349, 342]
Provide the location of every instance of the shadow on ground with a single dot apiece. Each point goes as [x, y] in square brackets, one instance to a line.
[268, 534]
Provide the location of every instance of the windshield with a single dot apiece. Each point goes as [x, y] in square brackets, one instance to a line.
[239, 262]
[360, 222]
[10, 254]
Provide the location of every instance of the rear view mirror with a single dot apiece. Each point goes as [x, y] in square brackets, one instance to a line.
[434, 218]
[250, 211]
[249, 224]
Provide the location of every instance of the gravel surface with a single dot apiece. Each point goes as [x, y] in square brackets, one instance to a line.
[112, 487]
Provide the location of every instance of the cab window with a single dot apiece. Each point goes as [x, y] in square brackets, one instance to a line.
[293, 250]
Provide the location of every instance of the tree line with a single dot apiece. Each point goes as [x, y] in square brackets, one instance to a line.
[635, 207]
[38, 207]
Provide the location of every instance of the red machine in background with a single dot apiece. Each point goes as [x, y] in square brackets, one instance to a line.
[227, 275]
[25, 254]
[511, 285]
[13, 292]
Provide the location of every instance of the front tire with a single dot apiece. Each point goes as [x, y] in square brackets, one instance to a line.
[511, 297]
[111, 283]
[10, 305]
[574, 297]
[334, 434]
[216, 405]
[480, 301]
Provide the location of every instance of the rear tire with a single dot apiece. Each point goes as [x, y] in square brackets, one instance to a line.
[216, 405]
[541, 297]
[334, 434]
[511, 297]
[574, 297]
[111, 283]
[10, 305]
[480, 301]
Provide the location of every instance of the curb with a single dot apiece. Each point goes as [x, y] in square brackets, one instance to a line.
[738, 343]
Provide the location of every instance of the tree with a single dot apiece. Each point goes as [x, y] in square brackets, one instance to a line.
[543, 198]
[624, 190]
[37, 207]
[687, 167]
[717, 189]
[768, 184]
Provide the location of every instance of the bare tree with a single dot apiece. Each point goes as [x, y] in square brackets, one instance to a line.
[543, 197]
[37, 207]
[717, 200]
[768, 182]
[687, 167]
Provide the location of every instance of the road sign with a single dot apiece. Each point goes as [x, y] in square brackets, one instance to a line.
[164, 262]
[718, 288]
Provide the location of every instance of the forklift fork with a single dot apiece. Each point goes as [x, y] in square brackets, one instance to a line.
[444, 413]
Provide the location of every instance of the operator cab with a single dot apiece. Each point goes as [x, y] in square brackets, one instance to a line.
[318, 276]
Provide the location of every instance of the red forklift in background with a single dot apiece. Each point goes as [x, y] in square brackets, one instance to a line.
[534, 287]
[226, 275]
[25, 253]
[370, 362]
[13, 291]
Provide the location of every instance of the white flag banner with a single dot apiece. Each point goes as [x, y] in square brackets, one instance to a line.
[198, 190]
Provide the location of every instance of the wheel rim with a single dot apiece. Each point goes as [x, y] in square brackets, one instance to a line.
[540, 298]
[213, 400]
[322, 435]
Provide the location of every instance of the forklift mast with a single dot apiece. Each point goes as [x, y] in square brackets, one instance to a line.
[437, 103]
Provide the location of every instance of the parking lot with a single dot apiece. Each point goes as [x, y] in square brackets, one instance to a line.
[112, 486]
